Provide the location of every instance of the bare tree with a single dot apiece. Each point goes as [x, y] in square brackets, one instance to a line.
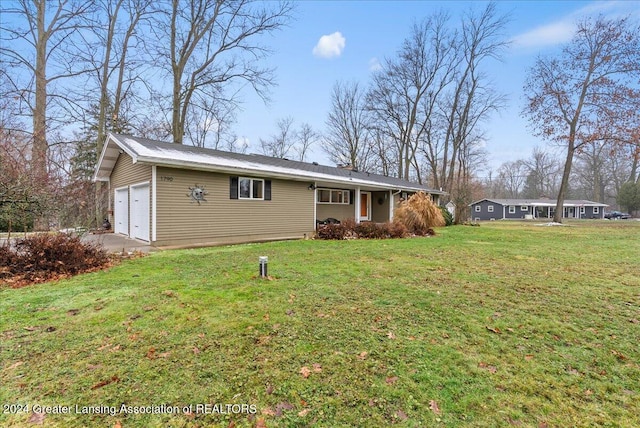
[397, 97]
[542, 172]
[39, 50]
[306, 137]
[210, 123]
[473, 98]
[588, 92]
[348, 136]
[512, 176]
[281, 144]
[205, 44]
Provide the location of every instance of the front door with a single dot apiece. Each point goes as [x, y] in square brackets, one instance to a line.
[365, 206]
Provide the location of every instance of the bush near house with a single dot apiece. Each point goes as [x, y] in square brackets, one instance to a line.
[419, 214]
[43, 257]
[349, 229]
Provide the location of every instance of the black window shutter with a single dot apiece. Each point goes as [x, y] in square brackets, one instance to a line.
[352, 194]
[233, 188]
[267, 190]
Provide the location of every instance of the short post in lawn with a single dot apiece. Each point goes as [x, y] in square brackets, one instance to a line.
[263, 260]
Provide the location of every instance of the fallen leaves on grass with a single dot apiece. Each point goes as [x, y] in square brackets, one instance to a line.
[280, 407]
[490, 369]
[433, 405]
[363, 355]
[151, 353]
[391, 335]
[391, 380]
[37, 418]
[495, 330]
[619, 355]
[112, 379]
[401, 415]
[14, 365]
[306, 371]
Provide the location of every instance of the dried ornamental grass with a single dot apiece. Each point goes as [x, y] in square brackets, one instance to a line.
[419, 214]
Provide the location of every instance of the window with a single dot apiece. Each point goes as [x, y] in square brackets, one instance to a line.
[333, 196]
[596, 210]
[490, 208]
[478, 208]
[582, 210]
[512, 209]
[524, 208]
[250, 188]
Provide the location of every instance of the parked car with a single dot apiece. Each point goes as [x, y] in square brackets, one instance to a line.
[616, 215]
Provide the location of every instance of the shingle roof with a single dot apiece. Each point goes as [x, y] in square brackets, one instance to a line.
[542, 202]
[145, 150]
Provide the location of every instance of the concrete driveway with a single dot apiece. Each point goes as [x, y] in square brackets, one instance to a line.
[116, 243]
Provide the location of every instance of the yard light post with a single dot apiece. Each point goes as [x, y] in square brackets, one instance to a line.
[263, 261]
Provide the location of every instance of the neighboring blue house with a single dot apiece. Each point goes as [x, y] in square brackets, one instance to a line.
[518, 209]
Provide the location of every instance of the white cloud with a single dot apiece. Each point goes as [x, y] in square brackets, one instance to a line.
[562, 30]
[374, 64]
[546, 35]
[330, 45]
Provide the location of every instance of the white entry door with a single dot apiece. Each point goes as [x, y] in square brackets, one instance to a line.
[140, 212]
[121, 211]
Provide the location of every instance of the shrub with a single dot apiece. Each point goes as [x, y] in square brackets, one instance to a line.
[43, 257]
[448, 217]
[419, 214]
[349, 229]
[331, 231]
[396, 230]
[369, 230]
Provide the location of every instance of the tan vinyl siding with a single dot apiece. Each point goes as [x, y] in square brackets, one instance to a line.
[337, 211]
[126, 173]
[380, 212]
[219, 219]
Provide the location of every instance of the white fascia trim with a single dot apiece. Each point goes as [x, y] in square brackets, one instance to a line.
[154, 205]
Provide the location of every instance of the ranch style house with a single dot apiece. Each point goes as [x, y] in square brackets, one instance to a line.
[177, 195]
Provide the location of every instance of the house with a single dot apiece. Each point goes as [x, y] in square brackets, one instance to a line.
[505, 209]
[172, 194]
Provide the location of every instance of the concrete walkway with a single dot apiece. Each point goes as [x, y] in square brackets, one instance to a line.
[116, 243]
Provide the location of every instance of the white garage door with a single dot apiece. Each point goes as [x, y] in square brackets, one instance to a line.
[121, 211]
[140, 212]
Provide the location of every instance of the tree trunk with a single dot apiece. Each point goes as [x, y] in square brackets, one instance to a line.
[564, 185]
[39, 148]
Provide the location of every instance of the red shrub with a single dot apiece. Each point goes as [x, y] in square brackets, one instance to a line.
[44, 256]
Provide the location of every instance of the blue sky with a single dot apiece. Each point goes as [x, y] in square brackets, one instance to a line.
[311, 56]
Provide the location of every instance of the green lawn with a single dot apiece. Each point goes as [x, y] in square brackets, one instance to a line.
[507, 324]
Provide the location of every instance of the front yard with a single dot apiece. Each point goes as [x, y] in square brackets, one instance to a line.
[507, 324]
